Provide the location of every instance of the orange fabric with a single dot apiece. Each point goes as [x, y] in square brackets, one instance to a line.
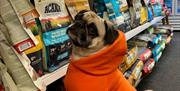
[99, 72]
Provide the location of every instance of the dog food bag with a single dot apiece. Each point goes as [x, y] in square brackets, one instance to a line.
[55, 20]
[150, 13]
[143, 13]
[136, 69]
[113, 9]
[157, 57]
[157, 9]
[53, 14]
[74, 6]
[149, 65]
[57, 46]
[137, 5]
[131, 58]
[20, 40]
[123, 5]
[127, 21]
[100, 9]
[144, 54]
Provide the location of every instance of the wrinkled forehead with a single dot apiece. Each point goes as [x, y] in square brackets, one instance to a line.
[90, 17]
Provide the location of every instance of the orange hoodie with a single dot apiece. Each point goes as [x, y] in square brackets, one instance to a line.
[99, 72]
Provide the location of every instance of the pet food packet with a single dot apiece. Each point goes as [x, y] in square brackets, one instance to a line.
[136, 69]
[143, 13]
[131, 57]
[157, 57]
[157, 9]
[137, 5]
[74, 6]
[149, 65]
[126, 15]
[123, 5]
[113, 9]
[53, 14]
[20, 40]
[100, 9]
[145, 54]
[58, 47]
[28, 13]
[55, 20]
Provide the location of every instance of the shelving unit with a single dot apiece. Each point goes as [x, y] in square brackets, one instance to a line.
[51, 77]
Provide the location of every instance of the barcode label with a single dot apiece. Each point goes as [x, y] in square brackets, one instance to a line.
[25, 46]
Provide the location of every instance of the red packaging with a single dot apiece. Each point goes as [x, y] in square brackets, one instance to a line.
[145, 55]
[149, 65]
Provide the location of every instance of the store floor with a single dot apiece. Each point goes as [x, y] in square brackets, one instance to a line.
[166, 74]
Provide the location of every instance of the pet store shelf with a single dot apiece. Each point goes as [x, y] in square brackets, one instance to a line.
[141, 28]
[51, 77]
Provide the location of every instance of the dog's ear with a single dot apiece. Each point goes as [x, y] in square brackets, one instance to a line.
[80, 15]
[111, 33]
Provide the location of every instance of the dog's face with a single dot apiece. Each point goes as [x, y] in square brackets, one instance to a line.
[89, 29]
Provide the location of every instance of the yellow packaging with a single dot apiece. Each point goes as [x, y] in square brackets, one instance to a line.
[131, 58]
[144, 15]
[74, 6]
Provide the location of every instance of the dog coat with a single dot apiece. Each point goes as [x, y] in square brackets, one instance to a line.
[99, 71]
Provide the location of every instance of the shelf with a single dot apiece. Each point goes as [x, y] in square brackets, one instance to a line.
[141, 28]
[51, 77]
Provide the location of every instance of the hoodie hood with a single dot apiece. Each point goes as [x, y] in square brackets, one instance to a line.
[105, 61]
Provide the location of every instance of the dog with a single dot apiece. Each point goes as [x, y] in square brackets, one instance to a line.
[89, 33]
[98, 49]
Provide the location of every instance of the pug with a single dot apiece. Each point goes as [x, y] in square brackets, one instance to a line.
[98, 49]
[90, 33]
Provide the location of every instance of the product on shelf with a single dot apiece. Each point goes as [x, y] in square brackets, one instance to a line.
[143, 13]
[20, 40]
[157, 57]
[15, 67]
[148, 66]
[74, 6]
[54, 20]
[35, 54]
[100, 9]
[131, 57]
[53, 14]
[134, 73]
[113, 9]
[150, 13]
[157, 9]
[127, 18]
[144, 54]
[58, 47]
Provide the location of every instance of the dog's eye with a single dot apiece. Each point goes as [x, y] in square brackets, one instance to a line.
[92, 30]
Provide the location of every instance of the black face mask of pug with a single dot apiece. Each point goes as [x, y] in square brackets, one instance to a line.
[90, 33]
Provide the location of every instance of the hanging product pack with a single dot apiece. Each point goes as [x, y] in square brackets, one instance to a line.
[143, 13]
[19, 38]
[150, 13]
[113, 9]
[28, 13]
[127, 19]
[55, 20]
[74, 6]
[157, 9]
[15, 68]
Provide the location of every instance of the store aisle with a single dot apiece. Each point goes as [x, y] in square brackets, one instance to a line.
[166, 74]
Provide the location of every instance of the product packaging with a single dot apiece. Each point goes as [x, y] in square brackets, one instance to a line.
[144, 54]
[149, 65]
[55, 20]
[20, 40]
[143, 13]
[157, 57]
[113, 9]
[157, 9]
[74, 6]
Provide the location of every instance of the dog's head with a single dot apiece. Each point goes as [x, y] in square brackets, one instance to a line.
[88, 30]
